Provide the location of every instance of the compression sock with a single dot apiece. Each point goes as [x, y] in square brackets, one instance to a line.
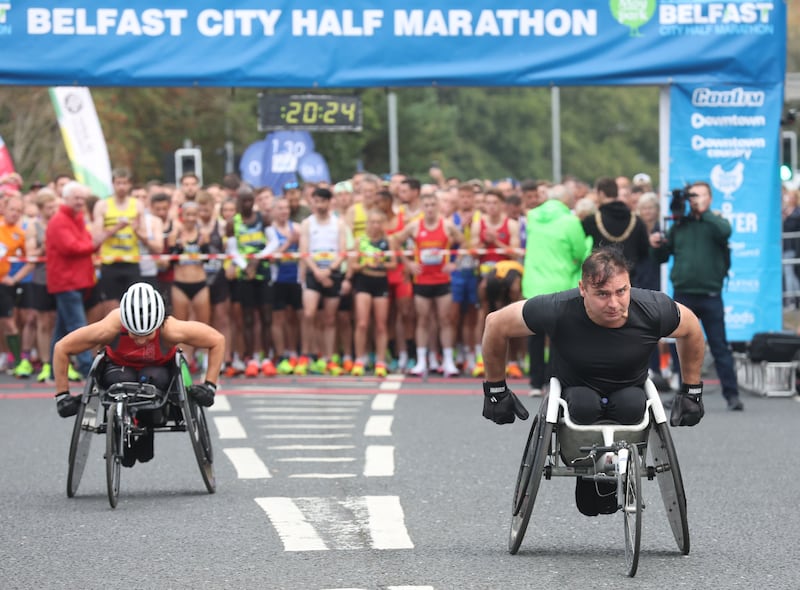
[14, 346]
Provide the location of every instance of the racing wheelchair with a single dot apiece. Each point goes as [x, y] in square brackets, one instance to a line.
[610, 453]
[113, 411]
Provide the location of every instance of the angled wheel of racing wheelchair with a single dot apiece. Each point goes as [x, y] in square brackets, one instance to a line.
[531, 471]
[662, 463]
[632, 506]
[87, 423]
[115, 442]
[194, 419]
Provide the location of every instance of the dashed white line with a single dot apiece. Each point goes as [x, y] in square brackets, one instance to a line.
[290, 409]
[307, 396]
[321, 475]
[384, 401]
[316, 459]
[221, 404]
[229, 427]
[295, 531]
[379, 461]
[281, 402]
[309, 426]
[390, 385]
[285, 417]
[386, 523]
[309, 436]
[310, 447]
[247, 463]
[379, 426]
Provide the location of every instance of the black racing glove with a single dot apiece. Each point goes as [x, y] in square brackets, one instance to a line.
[687, 408]
[66, 404]
[500, 405]
[203, 393]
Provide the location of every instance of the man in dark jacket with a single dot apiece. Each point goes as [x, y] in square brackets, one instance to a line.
[699, 244]
[70, 269]
[615, 223]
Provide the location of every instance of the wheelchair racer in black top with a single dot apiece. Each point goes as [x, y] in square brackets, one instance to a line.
[140, 343]
[601, 335]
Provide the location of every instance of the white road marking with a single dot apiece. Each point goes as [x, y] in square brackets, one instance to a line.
[379, 426]
[410, 588]
[300, 410]
[309, 426]
[379, 461]
[305, 402]
[221, 404]
[295, 531]
[384, 401]
[311, 447]
[306, 396]
[316, 459]
[387, 523]
[284, 417]
[229, 427]
[390, 385]
[247, 463]
[309, 436]
[321, 475]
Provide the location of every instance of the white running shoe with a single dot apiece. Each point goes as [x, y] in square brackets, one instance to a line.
[419, 370]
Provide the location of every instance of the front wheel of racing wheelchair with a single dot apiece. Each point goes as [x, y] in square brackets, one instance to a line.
[558, 447]
[121, 402]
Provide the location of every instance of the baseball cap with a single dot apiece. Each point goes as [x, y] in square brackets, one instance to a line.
[642, 178]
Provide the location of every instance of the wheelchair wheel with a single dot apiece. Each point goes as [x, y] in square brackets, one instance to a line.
[114, 443]
[195, 420]
[86, 422]
[632, 509]
[530, 475]
[668, 474]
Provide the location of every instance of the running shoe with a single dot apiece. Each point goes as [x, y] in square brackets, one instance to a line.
[318, 367]
[285, 367]
[301, 368]
[268, 369]
[380, 370]
[24, 369]
[73, 375]
[419, 369]
[513, 371]
[333, 369]
[46, 374]
[358, 369]
[478, 370]
[450, 370]
[252, 368]
[348, 365]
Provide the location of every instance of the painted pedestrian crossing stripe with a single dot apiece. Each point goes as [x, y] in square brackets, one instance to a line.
[322, 524]
[378, 460]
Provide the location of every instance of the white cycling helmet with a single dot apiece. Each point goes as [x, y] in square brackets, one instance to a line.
[141, 309]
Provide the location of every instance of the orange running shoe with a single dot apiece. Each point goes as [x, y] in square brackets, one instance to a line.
[347, 365]
[301, 368]
[333, 369]
[268, 369]
[230, 371]
[513, 371]
[252, 368]
[380, 370]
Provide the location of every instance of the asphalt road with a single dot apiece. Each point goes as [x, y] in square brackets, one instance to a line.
[328, 484]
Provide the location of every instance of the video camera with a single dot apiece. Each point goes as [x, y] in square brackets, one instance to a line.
[680, 197]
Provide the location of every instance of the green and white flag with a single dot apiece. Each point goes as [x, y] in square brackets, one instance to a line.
[83, 137]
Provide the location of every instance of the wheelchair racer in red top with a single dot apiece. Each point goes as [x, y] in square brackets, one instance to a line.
[140, 343]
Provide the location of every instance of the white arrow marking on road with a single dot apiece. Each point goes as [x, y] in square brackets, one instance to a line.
[229, 427]
[379, 426]
[387, 523]
[221, 404]
[295, 531]
[379, 461]
[384, 401]
[247, 464]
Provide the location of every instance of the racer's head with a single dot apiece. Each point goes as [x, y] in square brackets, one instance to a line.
[605, 286]
[142, 311]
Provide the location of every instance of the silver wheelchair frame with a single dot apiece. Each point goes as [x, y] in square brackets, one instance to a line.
[110, 412]
[557, 447]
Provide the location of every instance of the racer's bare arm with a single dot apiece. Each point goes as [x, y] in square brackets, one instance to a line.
[501, 325]
[691, 345]
[197, 335]
[89, 337]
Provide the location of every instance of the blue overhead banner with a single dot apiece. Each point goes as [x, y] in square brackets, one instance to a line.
[361, 43]
[727, 135]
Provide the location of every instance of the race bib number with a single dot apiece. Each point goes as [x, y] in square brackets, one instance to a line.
[430, 256]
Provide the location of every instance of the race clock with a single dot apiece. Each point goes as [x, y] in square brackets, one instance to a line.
[309, 112]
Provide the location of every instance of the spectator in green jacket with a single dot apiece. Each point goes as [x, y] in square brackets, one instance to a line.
[556, 247]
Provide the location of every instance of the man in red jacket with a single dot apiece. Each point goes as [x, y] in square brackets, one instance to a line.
[70, 269]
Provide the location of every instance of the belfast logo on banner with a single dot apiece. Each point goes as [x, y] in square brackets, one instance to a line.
[727, 135]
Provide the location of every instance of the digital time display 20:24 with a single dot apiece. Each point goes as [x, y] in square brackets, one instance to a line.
[310, 112]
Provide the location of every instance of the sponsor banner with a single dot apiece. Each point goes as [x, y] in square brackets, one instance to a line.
[251, 165]
[313, 168]
[83, 138]
[727, 135]
[357, 43]
[282, 154]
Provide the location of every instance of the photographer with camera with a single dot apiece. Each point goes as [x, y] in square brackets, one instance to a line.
[698, 240]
